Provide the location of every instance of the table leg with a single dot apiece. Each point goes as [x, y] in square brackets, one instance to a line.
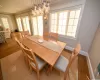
[49, 70]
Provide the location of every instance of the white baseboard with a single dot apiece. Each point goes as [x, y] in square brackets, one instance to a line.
[90, 68]
[81, 52]
[88, 61]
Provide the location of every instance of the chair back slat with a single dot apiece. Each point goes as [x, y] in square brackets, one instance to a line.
[31, 56]
[75, 52]
[53, 36]
[46, 36]
[18, 42]
[25, 33]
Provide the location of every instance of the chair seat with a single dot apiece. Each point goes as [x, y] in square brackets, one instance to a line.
[61, 63]
[40, 63]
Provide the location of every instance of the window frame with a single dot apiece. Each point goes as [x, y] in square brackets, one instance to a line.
[23, 25]
[4, 22]
[20, 22]
[36, 23]
[68, 9]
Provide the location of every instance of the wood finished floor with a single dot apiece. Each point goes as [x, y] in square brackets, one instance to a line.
[11, 47]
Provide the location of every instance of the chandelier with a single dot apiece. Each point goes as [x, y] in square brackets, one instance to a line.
[42, 7]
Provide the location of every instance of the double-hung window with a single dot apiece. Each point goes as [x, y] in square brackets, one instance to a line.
[65, 22]
[37, 25]
[5, 22]
[19, 24]
[26, 24]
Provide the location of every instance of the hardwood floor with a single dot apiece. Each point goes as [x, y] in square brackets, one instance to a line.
[11, 47]
[1, 78]
[83, 72]
[8, 48]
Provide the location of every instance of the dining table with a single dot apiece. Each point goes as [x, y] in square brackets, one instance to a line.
[47, 50]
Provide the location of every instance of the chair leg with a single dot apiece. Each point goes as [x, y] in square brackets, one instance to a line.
[66, 76]
[30, 68]
[49, 70]
[38, 75]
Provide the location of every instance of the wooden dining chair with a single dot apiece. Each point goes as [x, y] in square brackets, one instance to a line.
[64, 64]
[35, 63]
[18, 42]
[53, 36]
[21, 45]
[46, 36]
[25, 33]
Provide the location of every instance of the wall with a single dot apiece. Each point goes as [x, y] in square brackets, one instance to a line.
[63, 4]
[89, 21]
[95, 50]
[11, 20]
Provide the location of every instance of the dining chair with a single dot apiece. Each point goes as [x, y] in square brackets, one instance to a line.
[25, 33]
[53, 36]
[64, 64]
[46, 36]
[20, 45]
[18, 42]
[35, 63]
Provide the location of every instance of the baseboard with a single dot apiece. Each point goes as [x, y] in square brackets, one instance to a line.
[88, 61]
[90, 68]
[81, 52]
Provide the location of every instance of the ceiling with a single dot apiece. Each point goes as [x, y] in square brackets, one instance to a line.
[14, 6]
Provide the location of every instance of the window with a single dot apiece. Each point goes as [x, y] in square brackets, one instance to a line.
[19, 24]
[54, 22]
[62, 22]
[5, 22]
[65, 22]
[26, 24]
[35, 28]
[73, 22]
[38, 25]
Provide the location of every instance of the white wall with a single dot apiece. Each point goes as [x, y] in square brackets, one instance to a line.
[11, 21]
[95, 50]
[89, 21]
[63, 4]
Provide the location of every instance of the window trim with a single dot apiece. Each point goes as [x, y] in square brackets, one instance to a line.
[17, 23]
[7, 22]
[37, 23]
[67, 9]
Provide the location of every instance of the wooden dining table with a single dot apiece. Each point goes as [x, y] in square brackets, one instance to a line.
[47, 50]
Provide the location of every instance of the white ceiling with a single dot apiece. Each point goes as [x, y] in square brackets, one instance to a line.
[13, 6]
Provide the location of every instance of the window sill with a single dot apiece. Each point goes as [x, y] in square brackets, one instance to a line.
[68, 37]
